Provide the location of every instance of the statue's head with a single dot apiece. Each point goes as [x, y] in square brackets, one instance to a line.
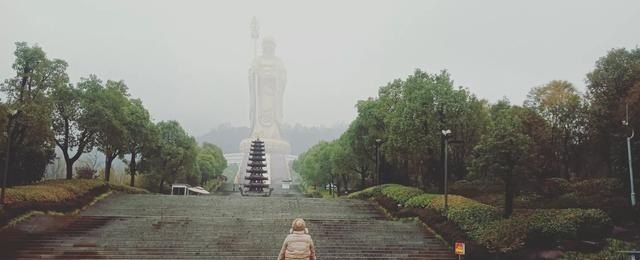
[268, 46]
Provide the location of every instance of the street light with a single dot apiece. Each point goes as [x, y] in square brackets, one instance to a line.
[11, 113]
[445, 134]
[626, 123]
[378, 142]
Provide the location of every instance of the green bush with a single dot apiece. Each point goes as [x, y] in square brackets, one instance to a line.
[502, 235]
[213, 185]
[370, 192]
[602, 193]
[399, 193]
[547, 226]
[421, 201]
[85, 172]
[472, 216]
[553, 187]
[51, 191]
[468, 214]
[541, 227]
[559, 224]
[599, 186]
[483, 224]
[609, 252]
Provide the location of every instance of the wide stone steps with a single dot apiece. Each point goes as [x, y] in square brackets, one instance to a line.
[213, 227]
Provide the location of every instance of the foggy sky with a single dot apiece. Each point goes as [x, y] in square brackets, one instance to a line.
[188, 60]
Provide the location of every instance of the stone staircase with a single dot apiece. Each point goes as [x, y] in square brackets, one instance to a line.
[217, 227]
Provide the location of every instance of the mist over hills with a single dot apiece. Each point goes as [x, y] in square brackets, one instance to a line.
[300, 137]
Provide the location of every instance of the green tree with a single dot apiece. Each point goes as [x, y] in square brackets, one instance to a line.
[543, 162]
[315, 165]
[344, 164]
[140, 131]
[210, 162]
[74, 120]
[360, 138]
[110, 103]
[503, 151]
[560, 104]
[608, 87]
[29, 125]
[173, 158]
[415, 111]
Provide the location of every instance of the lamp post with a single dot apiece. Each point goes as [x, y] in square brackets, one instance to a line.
[378, 142]
[633, 194]
[445, 134]
[6, 160]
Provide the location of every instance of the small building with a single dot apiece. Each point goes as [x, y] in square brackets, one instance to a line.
[286, 184]
[186, 190]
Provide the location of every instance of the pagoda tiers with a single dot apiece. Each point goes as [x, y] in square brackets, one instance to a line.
[256, 171]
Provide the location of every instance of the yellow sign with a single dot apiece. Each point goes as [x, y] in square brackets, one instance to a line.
[459, 248]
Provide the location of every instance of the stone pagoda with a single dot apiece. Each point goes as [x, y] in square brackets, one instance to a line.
[258, 182]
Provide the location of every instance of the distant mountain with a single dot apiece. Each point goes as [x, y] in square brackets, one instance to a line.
[300, 137]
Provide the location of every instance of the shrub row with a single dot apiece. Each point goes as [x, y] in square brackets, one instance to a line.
[542, 227]
[370, 192]
[399, 193]
[50, 191]
[609, 251]
[58, 195]
[482, 223]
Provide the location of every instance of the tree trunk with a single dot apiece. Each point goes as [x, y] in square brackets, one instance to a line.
[440, 165]
[107, 167]
[508, 194]
[345, 182]
[566, 157]
[331, 186]
[69, 164]
[132, 182]
[161, 185]
[363, 179]
[132, 169]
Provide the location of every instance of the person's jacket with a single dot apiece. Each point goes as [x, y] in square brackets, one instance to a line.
[297, 245]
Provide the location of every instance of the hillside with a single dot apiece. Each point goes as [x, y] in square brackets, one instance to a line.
[300, 137]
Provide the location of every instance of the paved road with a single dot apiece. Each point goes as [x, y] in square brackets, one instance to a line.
[217, 227]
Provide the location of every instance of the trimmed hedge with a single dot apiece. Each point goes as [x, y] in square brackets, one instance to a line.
[399, 193]
[370, 192]
[50, 191]
[57, 195]
[421, 201]
[542, 227]
[557, 224]
[468, 214]
[482, 222]
[610, 251]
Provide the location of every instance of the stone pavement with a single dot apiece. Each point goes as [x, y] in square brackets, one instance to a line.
[217, 227]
